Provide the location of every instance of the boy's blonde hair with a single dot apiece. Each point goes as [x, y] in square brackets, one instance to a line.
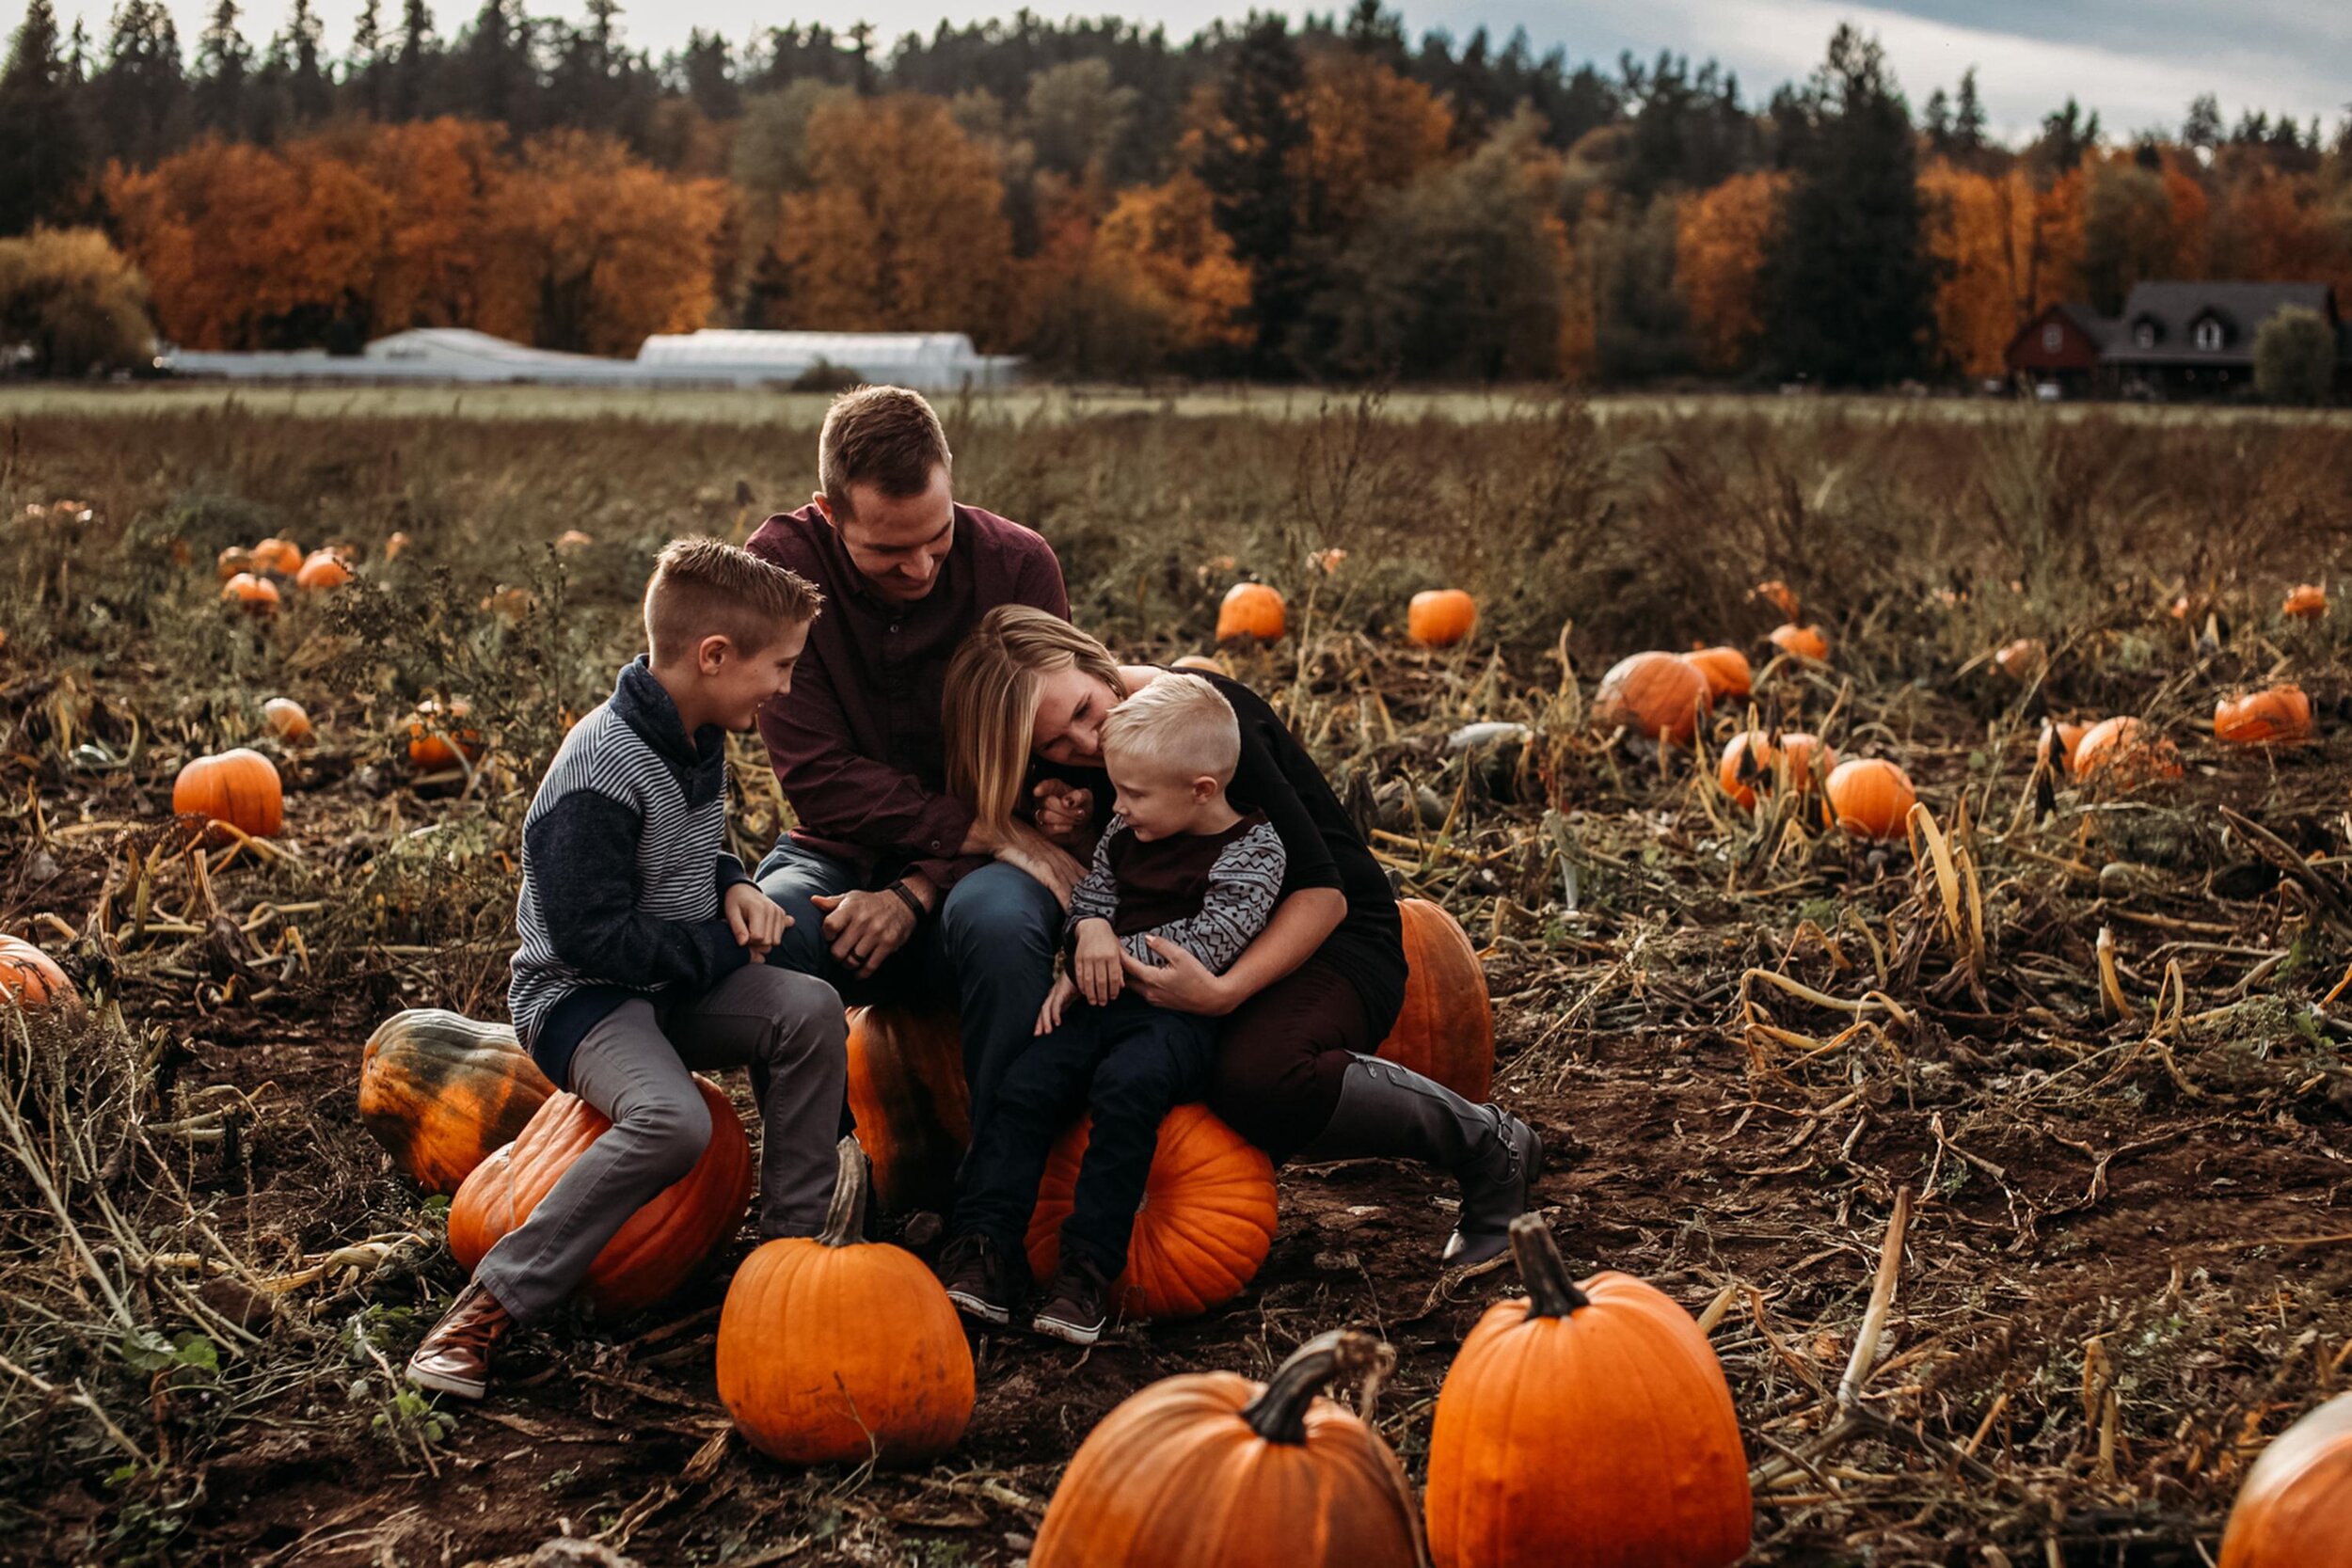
[708, 587]
[1180, 723]
[989, 710]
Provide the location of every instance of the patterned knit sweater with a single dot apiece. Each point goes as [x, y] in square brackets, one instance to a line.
[1210, 894]
[624, 867]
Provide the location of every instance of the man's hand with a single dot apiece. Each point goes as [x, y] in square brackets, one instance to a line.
[1029, 849]
[1065, 992]
[864, 928]
[1063, 810]
[1179, 982]
[758, 921]
[1095, 965]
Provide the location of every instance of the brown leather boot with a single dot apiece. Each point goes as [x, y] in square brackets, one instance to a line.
[454, 1358]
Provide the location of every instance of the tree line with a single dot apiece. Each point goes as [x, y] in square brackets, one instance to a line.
[1325, 198]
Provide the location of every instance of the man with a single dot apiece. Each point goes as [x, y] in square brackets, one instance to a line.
[885, 866]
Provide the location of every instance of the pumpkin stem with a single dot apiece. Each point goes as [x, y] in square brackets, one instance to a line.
[1279, 1413]
[845, 1222]
[1550, 1293]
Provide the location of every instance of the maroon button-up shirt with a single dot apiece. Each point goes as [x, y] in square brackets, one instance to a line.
[857, 743]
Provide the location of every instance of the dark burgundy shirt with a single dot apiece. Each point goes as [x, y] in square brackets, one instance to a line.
[857, 742]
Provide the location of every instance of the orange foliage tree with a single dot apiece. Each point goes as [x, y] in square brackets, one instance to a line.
[1968, 232]
[1160, 248]
[1368, 130]
[1720, 241]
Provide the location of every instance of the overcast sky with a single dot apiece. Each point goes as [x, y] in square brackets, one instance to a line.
[2137, 62]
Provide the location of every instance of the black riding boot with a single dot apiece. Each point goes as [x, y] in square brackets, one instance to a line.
[1391, 1112]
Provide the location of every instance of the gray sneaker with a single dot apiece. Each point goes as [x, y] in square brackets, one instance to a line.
[1077, 1303]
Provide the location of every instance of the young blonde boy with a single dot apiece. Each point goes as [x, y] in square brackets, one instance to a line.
[1178, 862]
[642, 948]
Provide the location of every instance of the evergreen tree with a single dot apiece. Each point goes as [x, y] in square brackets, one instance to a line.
[297, 51]
[2202, 128]
[496, 66]
[363, 72]
[140, 92]
[1937, 122]
[1968, 115]
[707, 73]
[1249, 171]
[2067, 136]
[41, 140]
[412, 72]
[222, 62]
[1848, 283]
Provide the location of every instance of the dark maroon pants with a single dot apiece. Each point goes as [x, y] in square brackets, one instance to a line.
[1281, 1054]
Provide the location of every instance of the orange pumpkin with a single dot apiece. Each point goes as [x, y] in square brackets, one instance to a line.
[282, 555]
[836, 1351]
[663, 1244]
[287, 720]
[1658, 694]
[2280, 716]
[441, 1093]
[437, 734]
[1586, 1424]
[240, 787]
[1779, 594]
[2296, 1508]
[2125, 754]
[1250, 610]
[234, 560]
[2306, 602]
[2057, 743]
[1870, 797]
[1441, 617]
[255, 596]
[31, 978]
[1211, 1470]
[2022, 658]
[1446, 1029]
[1206, 1223]
[322, 570]
[1724, 670]
[1751, 762]
[1803, 642]
[913, 1107]
[396, 544]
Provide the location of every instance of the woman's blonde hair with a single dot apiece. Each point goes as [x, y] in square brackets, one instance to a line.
[989, 709]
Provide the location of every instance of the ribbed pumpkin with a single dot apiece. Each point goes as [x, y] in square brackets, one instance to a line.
[2125, 754]
[1205, 1226]
[1724, 670]
[1446, 1030]
[1586, 1424]
[2280, 716]
[1659, 694]
[1751, 762]
[2306, 602]
[255, 596]
[1441, 617]
[31, 978]
[2296, 1508]
[437, 734]
[663, 1244]
[1212, 1470]
[287, 720]
[2057, 743]
[1804, 642]
[1250, 610]
[2021, 658]
[281, 556]
[238, 787]
[441, 1092]
[1869, 797]
[913, 1107]
[323, 569]
[833, 1350]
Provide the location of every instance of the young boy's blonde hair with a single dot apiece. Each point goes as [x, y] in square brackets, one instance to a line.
[1180, 723]
[708, 587]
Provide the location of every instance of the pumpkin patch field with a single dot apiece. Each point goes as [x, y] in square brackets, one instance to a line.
[1901, 864]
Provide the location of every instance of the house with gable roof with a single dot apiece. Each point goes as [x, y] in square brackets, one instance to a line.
[2172, 339]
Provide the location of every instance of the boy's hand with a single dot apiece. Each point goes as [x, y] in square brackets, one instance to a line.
[1095, 966]
[1065, 992]
[864, 928]
[758, 921]
[1062, 809]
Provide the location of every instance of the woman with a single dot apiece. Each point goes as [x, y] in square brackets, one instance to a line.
[1307, 1003]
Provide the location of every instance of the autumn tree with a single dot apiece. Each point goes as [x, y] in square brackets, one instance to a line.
[2128, 232]
[1966, 229]
[74, 301]
[1368, 130]
[1721, 238]
[1160, 249]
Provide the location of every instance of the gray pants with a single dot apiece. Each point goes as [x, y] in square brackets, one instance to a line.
[634, 1065]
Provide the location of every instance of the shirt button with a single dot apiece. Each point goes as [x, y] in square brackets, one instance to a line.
[934, 844]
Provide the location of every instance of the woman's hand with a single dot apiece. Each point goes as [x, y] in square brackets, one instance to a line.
[1180, 983]
[1063, 811]
[1049, 864]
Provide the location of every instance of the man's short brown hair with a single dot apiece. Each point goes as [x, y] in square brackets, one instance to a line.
[886, 437]
[708, 587]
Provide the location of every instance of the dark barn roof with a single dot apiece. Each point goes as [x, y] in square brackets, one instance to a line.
[2174, 309]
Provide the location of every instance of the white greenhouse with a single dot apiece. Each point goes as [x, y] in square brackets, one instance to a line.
[931, 361]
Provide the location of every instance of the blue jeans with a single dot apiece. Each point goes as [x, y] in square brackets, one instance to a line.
[989, 948]
[1129, 1064]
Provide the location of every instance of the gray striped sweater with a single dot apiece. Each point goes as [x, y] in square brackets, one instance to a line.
[624, 867]
[1210, 894]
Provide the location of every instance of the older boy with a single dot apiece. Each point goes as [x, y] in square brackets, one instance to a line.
[643, 941]
[1177, 862]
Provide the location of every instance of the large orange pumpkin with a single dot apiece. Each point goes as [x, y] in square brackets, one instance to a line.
[255, 596]
[1724, 670]
[282, 555]
[1870, 797]
[2125, 754]
[30, 978]
[1446, 1030]
[1205, 1226]
[663, 1244]
[1441, 617]
[437, 734]
[1751, 762]
[441, 1092]
[1586, 1424]
[239, 786]
[1211, 1470]
[2280, 716]
[2296, 1508]
[2057, 743]
[1804, 642]
[913, 1107]
[1658, 694]
[833, 1350]
[2306, 602]
[1250, 610]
